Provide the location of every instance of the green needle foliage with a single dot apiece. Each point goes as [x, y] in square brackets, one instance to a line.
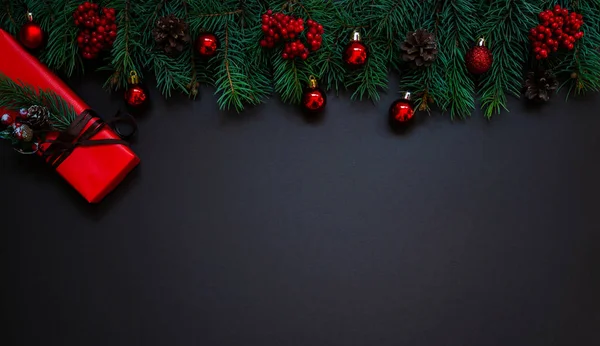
[245, 74]
[581, 68]
[15, 95]
[506, 28]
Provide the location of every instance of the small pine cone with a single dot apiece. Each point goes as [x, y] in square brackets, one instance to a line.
[38, 117]
[171, 34]
[540, 85]
[419, 48]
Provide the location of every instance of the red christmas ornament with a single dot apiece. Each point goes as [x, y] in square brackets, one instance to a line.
[356, 53]
[479, 59]
[314, 99]
[402, 110]
[136, 95]
[207, 45]
[31, 34]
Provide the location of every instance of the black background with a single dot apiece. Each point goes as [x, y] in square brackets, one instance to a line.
[263, 229]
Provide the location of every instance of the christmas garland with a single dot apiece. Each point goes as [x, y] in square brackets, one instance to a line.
[446, 52]
[30, 113]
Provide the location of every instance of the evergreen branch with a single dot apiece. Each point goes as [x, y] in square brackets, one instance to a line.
[456, 29]
[506, 28]
[15, 95]
[126, 45]
[62, 52]
[584, 62]
[219, 14]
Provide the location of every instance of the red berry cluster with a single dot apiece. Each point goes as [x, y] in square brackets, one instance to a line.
[557, 28]
[279, 27]
[313, 37]
[98, 28]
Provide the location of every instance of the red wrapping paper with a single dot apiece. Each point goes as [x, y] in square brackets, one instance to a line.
[93, 171]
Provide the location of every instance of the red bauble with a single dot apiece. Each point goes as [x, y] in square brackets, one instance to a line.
[136, 95]
[356, 53]
[207, 45]
[479, 59]
[31, 34]
[402, 110]
[313, 99]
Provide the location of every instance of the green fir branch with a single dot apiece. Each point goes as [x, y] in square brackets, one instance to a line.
[15, 95]
[427, 84]
[458, 23]
[12, 15]
[62, 52]
[581, 67]
[127, 50]
[506, 28]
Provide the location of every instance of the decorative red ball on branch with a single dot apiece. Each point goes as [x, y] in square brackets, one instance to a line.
[206, 45]
[479, 59]
[402, 111]
[313, 99]
[356, 53]
[31, 34]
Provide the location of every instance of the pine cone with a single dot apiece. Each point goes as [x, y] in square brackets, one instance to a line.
[171, 34]
[38, 117]
[540, 85]
[419, 48]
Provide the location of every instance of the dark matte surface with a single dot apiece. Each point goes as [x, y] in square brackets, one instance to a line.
[261, 229]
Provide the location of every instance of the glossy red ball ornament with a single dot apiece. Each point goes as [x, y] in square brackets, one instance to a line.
[402, 110]
[479, 59]
[313, 99]
[31, 34]
[207, 45]
[136, 95]
[356, 53]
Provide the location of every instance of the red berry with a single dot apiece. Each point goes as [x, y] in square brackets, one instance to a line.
[544, 53]
[285, 56]
[571, 46]
[540, 36]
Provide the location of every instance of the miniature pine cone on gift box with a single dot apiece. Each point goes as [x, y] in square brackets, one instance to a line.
[540, 85]
[419, 48]
[38, 117]
[171, 34]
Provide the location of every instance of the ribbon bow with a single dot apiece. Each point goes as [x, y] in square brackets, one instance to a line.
[75, 136]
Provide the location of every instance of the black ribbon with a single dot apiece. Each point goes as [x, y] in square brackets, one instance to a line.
[75, 136]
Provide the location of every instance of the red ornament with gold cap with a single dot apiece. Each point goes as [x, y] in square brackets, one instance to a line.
[313, 99]
[356, 53]
[479, 59]
[402, 110]
[31, 34]
[136, 95]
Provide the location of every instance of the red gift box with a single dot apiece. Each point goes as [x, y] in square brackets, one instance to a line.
[94, 171]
